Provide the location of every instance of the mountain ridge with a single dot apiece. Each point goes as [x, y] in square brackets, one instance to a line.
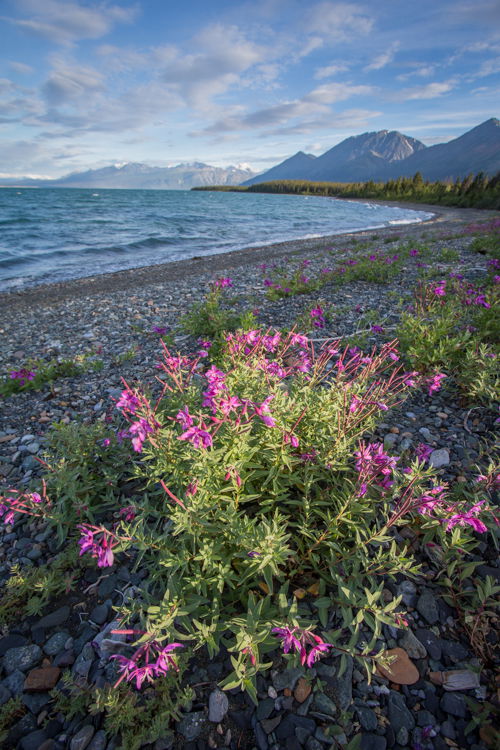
[383, 155]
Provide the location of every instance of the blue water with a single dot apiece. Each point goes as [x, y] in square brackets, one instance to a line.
[55, 234]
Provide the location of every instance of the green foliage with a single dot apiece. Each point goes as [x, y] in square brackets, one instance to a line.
[488, 244]
[478, 191]
[47, 372]
[134, 719]
[10, 712]
[210, 318]
[456, 333]
[30, 590]
[85, 477]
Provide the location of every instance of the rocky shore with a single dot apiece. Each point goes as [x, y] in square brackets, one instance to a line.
[109, 321]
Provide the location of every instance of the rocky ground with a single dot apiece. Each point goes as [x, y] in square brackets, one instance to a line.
[113, 323]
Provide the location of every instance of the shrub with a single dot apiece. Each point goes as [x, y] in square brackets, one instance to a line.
[262, 510]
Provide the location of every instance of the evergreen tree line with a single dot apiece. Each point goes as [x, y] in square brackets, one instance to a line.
[473, 191]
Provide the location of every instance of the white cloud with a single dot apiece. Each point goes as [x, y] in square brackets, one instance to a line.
[429, 91]
[69, 83]
[65, 21]
[330, 70]
[338, 21]
[19, 67]
[380, 61]
[337, 92]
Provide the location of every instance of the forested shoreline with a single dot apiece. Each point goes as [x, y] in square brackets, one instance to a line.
[473, 191]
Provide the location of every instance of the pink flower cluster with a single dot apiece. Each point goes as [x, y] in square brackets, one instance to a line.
[299, 640]
[318, 317]
[99, 541]
[223, 283]
[374, 466]
[23, 375]
[157, 661]
[26, 503]
[434, 382]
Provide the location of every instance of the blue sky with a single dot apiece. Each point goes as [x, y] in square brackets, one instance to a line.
[85, 84]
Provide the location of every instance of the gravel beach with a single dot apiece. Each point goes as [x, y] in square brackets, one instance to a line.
[109, 320]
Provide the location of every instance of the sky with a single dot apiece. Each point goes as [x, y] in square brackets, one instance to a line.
[87, 84]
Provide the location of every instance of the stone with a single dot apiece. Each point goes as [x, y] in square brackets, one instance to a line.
[99, 741]
[5, 695]
[398, 713]
[33, 740]
[265, 708]
[454, 704]
[15, 682]
[288, 678]
[55, 643]
[408, 592]
[302, 690]
[22, 658]
[218, 706]
[401, 670]
[269, 725]
[323, 704]
[430, 641]
[367, 718]
[439, 458]
[412, 645]
[191, 725]
[402, 736]
[52, 620]
[428, 608]
[166, 742]
[99, 614]
[390, 441]
[373, 742]
[42, 680]
[35, 701]
[82, 738]
[12, 641]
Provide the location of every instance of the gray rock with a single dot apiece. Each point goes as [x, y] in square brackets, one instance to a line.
[428, 608]
[166, 742]
[82, 737]
[288, 678]
[98, 741]
[5, 694]
[425, 432]
[454, 704]
[323, 704]
[439, 458]
[408, 592]
[15, 683]
[412, 645]
[431, 642]
[399, 715]
[402, 736]
[33, 740]
[191, 725]
[313, 744]
[22, 658]
[36, 701]
[390, 440]
[56, 643]
[11, 641]
[341, 686]
[99, 614]
[367, 718]
[54, 619]
[373, 742]
[448, 730]
[218, 706]
[264, 709]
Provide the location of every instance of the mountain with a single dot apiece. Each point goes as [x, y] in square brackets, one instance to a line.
[389, 154]
[298, 163]
[362, 157]
[141, 176]
[478, 150]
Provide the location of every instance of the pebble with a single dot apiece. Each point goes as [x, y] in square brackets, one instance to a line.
[218, 706]
[82, 738]
[439, 458]
[21, 658]
[427, 607]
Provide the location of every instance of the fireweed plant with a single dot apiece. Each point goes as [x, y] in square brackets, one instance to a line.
[453, 325]
[37, 373]
[258, 486]
[214, 315]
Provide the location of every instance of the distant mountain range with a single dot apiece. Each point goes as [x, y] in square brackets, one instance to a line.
[141, 176]
[388, 154]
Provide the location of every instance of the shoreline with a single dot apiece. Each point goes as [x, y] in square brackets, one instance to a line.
[135, 278]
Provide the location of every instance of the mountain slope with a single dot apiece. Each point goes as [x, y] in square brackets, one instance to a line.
[299, 163]
[478, 150]
[141, 176]
[363, 157]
